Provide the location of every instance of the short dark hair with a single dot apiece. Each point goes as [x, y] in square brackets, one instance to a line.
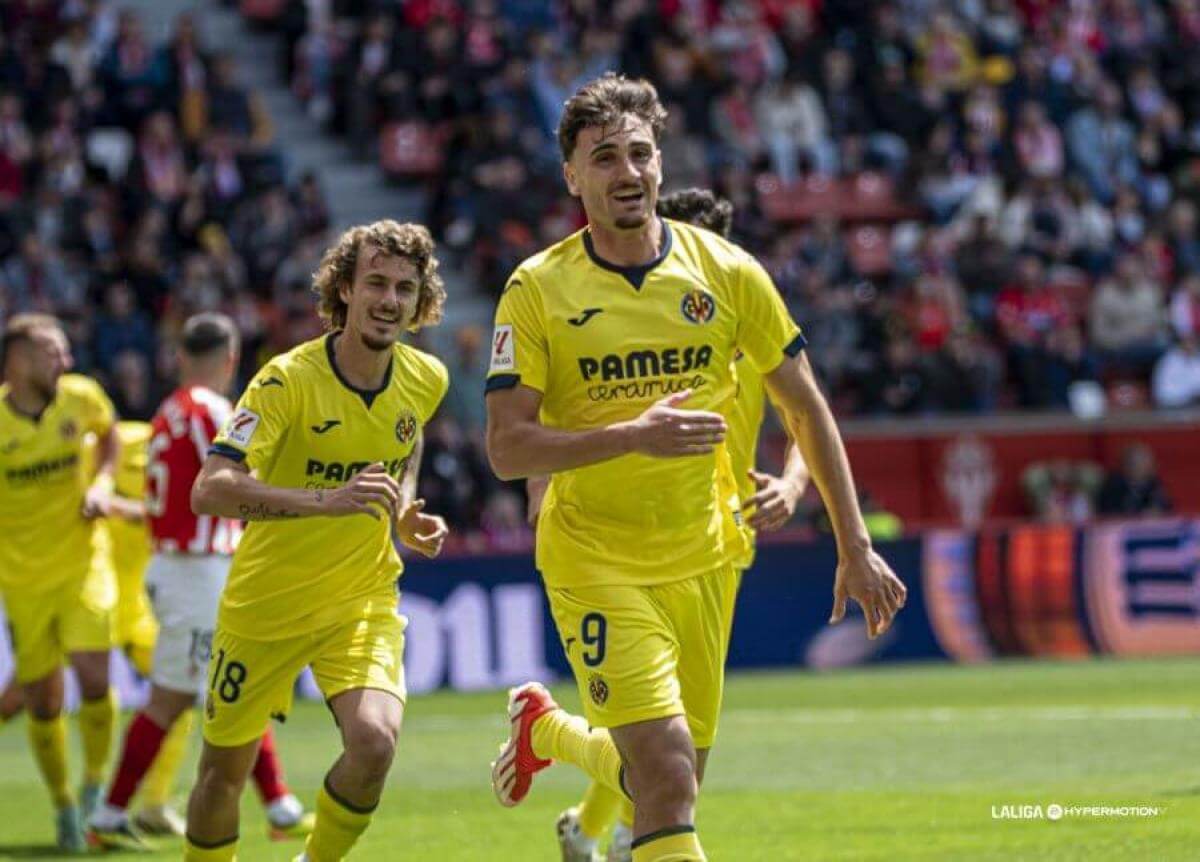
[699, 207]
[603, 102]
[208, 332]
[21, 327]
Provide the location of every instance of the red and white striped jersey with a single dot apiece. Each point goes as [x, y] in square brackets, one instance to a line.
[183, 429]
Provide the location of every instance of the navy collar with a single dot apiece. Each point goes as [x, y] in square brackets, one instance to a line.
[367, 395]
[635, 275]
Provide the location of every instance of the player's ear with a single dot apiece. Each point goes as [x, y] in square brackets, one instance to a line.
[344, 291]
[569, 176]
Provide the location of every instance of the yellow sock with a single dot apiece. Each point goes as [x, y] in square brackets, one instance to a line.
[48, 739]
[226, 852]
[668, 845]
[338, 827]
[566, 737]
[160, 779]
[598, 809]
[625, 815]
[97, 720]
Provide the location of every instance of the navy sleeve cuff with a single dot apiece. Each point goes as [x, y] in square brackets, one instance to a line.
[227, 452]
[501, 381]
[796, 345]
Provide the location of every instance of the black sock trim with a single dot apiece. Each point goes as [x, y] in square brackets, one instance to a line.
[624, 786]
[349, 806]
[661, 833]
[212, 845]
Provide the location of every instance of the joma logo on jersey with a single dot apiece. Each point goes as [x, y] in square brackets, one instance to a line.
[645, 363]
[339, 471]
[698, 306]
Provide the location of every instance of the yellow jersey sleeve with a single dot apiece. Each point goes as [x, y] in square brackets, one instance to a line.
[765, 330]
[437, 382]
[98, 412]
[520, 352]
[260, 419]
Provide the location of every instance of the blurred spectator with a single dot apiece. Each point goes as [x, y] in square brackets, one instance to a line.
[1127, 316]
[468, 373]
[1185, 308]
[792, 123]
[455, 477]
[1062, 491]
[131, 387]
[122, 328]
[36, 279]
[1134, 488]
[1176, 379]
[1101, 144]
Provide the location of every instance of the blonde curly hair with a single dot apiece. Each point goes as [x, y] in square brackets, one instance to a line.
[410, 241]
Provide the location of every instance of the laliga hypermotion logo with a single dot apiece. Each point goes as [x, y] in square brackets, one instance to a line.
[698, 306]
[406, 428]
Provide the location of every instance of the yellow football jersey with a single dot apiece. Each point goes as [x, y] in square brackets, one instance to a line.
[42, 482]
[131, 547]
[602, 343]
[745, 418]
[300, 424]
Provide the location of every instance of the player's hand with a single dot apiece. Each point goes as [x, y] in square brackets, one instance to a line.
[425, 534]
[665, 431]
[867, 579]
[774, 501]
[369, 492]
[535, 489]
[97, 502]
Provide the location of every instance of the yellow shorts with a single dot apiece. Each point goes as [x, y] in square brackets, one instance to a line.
[47, 627]
[136, 628]
[251, 682]
[641, 653]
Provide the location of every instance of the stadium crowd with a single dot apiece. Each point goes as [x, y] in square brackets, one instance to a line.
[1036, 228]
[1038, 161]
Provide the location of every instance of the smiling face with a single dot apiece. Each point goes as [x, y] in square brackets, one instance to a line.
[382, 300]
[616, 171]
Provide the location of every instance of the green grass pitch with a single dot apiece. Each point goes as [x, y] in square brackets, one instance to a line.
[881, 764]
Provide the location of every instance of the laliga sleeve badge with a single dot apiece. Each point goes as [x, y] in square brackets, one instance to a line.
[241, 426]
[504, 354]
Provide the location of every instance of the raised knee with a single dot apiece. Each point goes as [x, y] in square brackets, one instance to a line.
[666, 780]
[372, 745]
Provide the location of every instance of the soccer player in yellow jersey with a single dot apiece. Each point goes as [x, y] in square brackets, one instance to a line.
[314, 457]
[135, 627]
[611, 367]
[768, 501]
[59, 604]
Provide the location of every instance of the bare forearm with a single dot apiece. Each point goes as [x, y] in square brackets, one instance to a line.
[133, 511]
[233, 494]
[107, 450]
[820, 446]
[532, 449]
[795, 468]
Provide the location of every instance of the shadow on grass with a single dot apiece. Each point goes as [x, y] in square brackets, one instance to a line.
[1182, 791]
[34, 851]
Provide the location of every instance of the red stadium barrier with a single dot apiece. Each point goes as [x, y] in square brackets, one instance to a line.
[941, 472]
[261, 10]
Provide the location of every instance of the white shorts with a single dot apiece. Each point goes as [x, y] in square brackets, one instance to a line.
[185, 591]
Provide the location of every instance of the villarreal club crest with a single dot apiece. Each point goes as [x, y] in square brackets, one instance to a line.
[698, 306]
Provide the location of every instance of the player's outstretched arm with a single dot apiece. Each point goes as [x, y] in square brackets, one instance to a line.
[225, 488]
[519, 445]
[861, 574]
[97, 500]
